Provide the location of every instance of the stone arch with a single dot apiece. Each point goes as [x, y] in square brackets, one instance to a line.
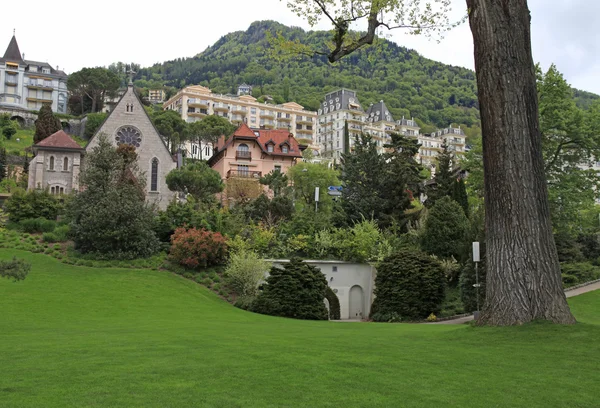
[356, 300]
[66, 127]
[20, 120]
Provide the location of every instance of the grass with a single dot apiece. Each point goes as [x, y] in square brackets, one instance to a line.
[25, 137]
[81, 337]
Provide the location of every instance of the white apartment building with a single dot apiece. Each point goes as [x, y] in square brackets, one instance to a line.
[196, 102]
[26, 84]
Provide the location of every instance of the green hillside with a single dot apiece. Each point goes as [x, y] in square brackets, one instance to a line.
[83, 337]
[411, 85]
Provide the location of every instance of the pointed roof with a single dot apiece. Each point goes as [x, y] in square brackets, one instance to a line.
[58, 140]
[244, 131]
[379, 112]
[13, 54]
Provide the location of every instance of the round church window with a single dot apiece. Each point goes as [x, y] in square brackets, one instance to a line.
[128, 135]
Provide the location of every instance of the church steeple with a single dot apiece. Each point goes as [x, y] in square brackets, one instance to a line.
[13, 54]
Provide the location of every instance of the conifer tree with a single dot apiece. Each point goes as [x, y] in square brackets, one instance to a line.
[46, 124]
[459, 194]
[443, 180]
[2, 163]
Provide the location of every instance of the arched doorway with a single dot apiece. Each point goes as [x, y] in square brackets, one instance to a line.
[357, 302]
[66, 127]
[20, 120]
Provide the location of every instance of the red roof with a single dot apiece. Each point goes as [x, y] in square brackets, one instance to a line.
[278, 138]
[244, 131]
[59, 140]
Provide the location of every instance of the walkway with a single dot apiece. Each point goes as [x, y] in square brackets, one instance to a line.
[569, 293]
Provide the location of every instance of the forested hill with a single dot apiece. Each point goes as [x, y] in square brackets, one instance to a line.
[435, 94]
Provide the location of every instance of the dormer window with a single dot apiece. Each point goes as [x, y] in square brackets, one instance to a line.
[284, 149]
[270, 148]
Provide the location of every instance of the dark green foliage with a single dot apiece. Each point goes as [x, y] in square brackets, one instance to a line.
[32, 204]
[459, 194]
[9, 130]
[208, 130]
[46, 124]
[171, 127]
[197, 179]
[581, 272]
[2, 163]
[297, 290]
[276, 181]
[94, 120]
[443, 181]
[589, 245]
[110, 218]
[176, 215]
[569, 250]
[468, 293]
[334, 304]
[17, 269]
[445, 229]
[36, 225]
[409, 285]
[92, 85]
[270, 212]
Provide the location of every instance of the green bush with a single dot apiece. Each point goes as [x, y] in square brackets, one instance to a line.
[575, 273]
[410, 284]
[32, 204]
[50, 237]
[445, 228]
[334, 304]
[297, 290]
[17, 269]
[36, 225]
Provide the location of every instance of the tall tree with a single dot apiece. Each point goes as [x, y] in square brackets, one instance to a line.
[443, 180]
[171, 127]
[46, 124]
[2, 163]
[95, 84]
[197, 179]
[524, 281]
[209, 129]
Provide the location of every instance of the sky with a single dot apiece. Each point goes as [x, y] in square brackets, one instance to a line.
[564, 32]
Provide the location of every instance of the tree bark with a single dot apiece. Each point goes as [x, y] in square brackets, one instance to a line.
[523, 272]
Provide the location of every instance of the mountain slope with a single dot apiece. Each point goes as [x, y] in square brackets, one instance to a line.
[411, 85]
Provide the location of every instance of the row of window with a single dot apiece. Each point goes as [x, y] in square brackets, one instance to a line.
[52, 164]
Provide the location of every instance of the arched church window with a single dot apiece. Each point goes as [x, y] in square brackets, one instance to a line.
[66, 164]
[129, 135]
[51, 164]
[154, 175]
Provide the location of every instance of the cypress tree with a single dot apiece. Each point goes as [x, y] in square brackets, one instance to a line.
[443, 177]
[459, 194]
[46, 124]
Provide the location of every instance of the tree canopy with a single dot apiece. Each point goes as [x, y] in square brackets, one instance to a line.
[94, 84]
[197, 179]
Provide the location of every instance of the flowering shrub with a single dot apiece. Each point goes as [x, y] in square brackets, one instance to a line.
[195, 248]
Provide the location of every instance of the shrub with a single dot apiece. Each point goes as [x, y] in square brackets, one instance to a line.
[195, 248]
[297, 290]
[445, 229]
[17, 269]
[62, 233]
[50, 237]
[334, 304]
[245, 271]
[32, 204]
[35, 225]
[574, 273]
[410, 284]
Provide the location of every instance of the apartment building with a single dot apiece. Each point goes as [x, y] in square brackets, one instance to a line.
[156, 95]
[26, 84]
[196, 102]
[342, 106]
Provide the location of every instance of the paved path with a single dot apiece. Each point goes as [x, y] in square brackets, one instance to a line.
[568, 293]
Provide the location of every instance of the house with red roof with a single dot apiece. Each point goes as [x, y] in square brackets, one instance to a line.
[253, 153]
[56, 164]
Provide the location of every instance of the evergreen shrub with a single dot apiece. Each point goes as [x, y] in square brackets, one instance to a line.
[410, 285]
[36, 225]
[334, 304]
[193, 248]
[297, 291]
[32, 204]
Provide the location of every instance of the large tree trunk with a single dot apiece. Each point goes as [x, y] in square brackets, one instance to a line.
[523, 272]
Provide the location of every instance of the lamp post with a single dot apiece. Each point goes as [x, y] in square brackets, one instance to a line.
[476, 259]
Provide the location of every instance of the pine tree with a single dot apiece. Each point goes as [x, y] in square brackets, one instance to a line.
[46, 124]
[2, 163]
[443, 180]
[459, 194]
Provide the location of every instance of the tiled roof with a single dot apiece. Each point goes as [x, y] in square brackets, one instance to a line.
[244, 131]
[279, 137]
[13, 53]
[59, 140]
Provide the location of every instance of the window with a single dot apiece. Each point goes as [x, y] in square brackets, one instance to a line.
[52, 190]
[207, 151]
[277, 168]
[270, 148]
[284, 149]
[154, 175]
[66, 164]
[62, 190]
[243, 148]
[253, 111]
[51, 165]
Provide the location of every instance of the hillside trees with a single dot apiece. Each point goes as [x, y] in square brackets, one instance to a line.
[523, 272]
[94, 84]
[208, 130]
[46, 124]
[197, 179]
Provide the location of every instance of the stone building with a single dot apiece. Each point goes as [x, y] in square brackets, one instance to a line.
[56, 164]
[128, 123]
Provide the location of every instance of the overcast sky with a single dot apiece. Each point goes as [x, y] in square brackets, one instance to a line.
[564, 32]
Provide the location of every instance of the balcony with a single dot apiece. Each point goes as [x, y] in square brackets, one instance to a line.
[304, 131]
[241, 154]
[237, 118]
[35, 85]
[267, 114]
[197, 114]
[39, 100]
[221, 107]
[198, 102]
[244, 174]
[239, 109]
[354, 119]
[304, 120]
[268, 124]
[10, 82]
[284, 119]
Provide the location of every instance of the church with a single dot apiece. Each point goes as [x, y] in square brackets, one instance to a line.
[58, 159]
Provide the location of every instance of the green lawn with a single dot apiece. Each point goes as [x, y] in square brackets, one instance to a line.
[82, 337]
[25, 137]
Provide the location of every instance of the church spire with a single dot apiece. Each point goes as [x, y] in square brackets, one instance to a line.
[13, 54]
